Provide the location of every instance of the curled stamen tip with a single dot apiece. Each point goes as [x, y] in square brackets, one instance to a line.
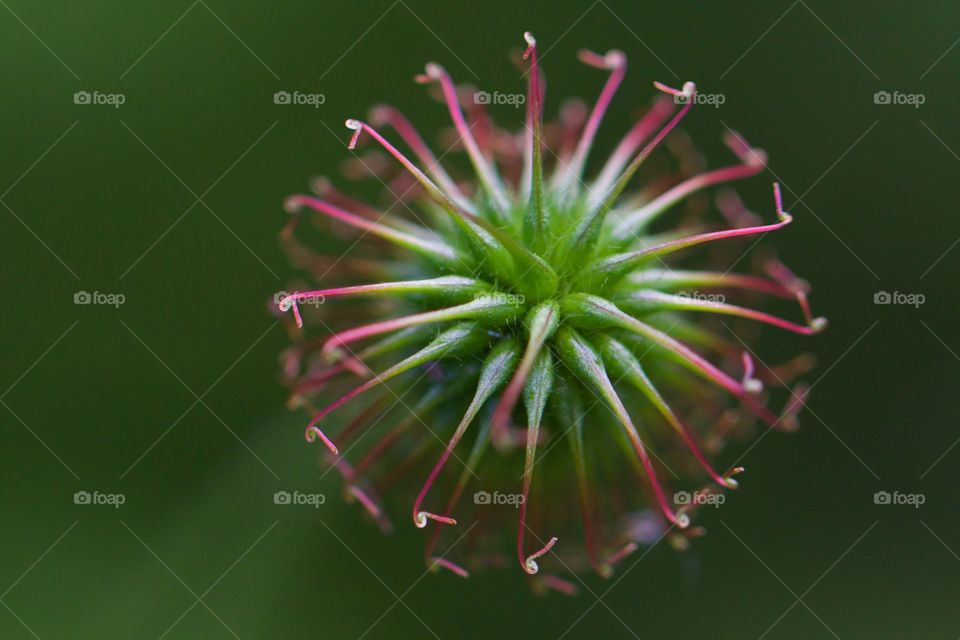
[731, 483]
[530, 40]
[420, 519]
[313, 432]
[729, 480]
[819, 324]
[292, 204]
[682, 520]
[357, 127]
[432, 71]
[753, 386]
[689, 88]
[285, 303]
[530, 564]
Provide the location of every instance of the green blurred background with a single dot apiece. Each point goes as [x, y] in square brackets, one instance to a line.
[174, 200]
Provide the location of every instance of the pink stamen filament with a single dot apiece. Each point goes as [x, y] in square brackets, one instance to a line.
[358, 127]
[476, 308]
[753, 162]
[648, 123]
[687, 356]
[535, 143]
[624, 262]
[702, 366]
[443, 284]
[529, 563]
[608, 197]
[479, 231]
[677, 279]
[592, 221]
[419, 244]
[636, 375]
[667, 301]
[409, 134]
[420, 516]
[430, 353]
[590, 363]
[483, 168]
[322, 187]
[485, 388]
[616, 62]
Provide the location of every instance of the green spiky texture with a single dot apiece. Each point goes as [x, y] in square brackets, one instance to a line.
[525, 355]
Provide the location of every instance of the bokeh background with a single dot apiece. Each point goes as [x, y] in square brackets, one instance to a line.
[173, 199]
